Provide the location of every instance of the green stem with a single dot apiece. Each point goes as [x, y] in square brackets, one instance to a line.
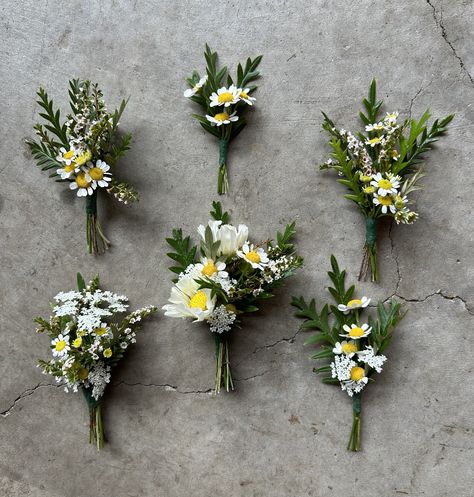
[354, 440]
[369, 260]
[96, 425]
[96, 240]
[222, 178]
[223, 377]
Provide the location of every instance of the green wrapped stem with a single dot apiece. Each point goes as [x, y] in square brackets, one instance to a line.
[96, 425]
[369, 260]
[97, 242]
[354, 440]
[222, 179]
[223, 371]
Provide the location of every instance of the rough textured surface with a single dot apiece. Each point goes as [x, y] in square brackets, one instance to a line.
[282, 433]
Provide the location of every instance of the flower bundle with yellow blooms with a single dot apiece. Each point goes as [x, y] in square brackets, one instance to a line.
[88, 339]
[83, 151]
[381, 168]
[352, 343]
[223, 101]
[229, 279]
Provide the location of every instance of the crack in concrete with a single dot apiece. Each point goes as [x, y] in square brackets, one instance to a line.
[167, 386]
[26, 393]
[444, 34]
[252, 377]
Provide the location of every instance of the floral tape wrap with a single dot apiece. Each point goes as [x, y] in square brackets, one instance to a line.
[91, 402]
[356, 403]
[91, 204]
[223, 149]
[370, 231]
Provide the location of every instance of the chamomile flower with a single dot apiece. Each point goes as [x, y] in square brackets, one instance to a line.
[83, 184]
[374, 141]
[356, 332]
[66, 156]
[210, 269]
[400, 201]
[356, 382]
[391, 117]
[68, 170]
[61, 345]
[245, 97]
[83, 158]
[99, 174]
[190, 92]
[386, 203]
[222, 118]
[386, 186]
[255, 256]
[103, 331]
[225, 96]
[374, 127]
[354, 304]
[347, 348]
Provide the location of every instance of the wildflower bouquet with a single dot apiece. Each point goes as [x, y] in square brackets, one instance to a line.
[223, 101]
[381, 168]
[353, 344]
[83, 151]
[88, 339]
[229, 277]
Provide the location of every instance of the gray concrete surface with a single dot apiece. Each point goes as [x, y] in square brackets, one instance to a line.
[282, 433]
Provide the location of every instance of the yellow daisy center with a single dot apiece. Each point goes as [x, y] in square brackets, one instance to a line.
[209, 269]
[61, 345]
[252, 256]
[81, 181]
[77, 342]
[349, 348]
[374, 141]
[82, 374]
[356, 332]
[357, 373]
[107, 353]
[225, 97]
[199, 300]
[385, 200]
[354, 303]
[100, 331]
[96, 173]
[222, 116]
[70, 168]
[68, 155]
[243, 95]
[385, 184]
[369, 189]
[82, 159]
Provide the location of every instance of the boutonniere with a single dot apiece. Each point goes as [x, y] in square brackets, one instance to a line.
[352, 341]
[224, 101]
[83, 151]
[381, 167]
[89, 335]
[225, 278]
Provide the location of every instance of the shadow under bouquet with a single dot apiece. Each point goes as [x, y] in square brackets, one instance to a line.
[83, 151]
[353, 343]
[223, 101]
[227, 278]
[382, 167]
[89, 336]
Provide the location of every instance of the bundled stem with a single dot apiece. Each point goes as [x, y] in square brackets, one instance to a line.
[222, 179]
[223, 371]
[96, 425]
[369, 260]
[354, 440]
[96, 240]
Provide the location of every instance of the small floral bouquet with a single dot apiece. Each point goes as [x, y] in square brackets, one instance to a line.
[381, 168]
[83, 151]
[230, 278]
[88, 339]
[354, 345]
[223, 101]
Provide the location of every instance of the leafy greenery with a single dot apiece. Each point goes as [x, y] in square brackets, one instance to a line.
[184, 253]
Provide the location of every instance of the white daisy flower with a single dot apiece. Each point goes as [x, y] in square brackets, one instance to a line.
[354, 304]
[374, 127]
[225, 96]
[391, 117]
[245, 97]
[190, 92]
[356, 382]
[347, 348]
[255, 256]
[83, 184]
[378, 140]
[66, 156]
[355, 332]
[61, 345]
[99, 174]
[400, 201]
[83, 158]
[374, 361]
[103, 330]
[222, 118]
[211, 269]
[187, 300]
[68, 170]
[386, 186]
[386, 203]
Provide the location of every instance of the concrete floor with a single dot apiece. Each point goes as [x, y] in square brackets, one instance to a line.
[282, 433]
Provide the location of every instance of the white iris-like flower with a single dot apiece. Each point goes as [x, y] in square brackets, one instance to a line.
[222, 118]
[386, 186]
[356, 332]
[61, 345]
[195, 89]
[245, 97]
[347, 348]
[99, 175]
[255, 256]
[354, 304]
[83, 184]
[386, 203]
[225, 96]
[231, 238]
[187, 300]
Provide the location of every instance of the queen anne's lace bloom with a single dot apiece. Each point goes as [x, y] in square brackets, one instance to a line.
[221, 320]
[99, 377]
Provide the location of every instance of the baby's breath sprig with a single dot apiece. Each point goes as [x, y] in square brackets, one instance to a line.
[381, 167]
[83, 151]
[223, 100]
[353, 344]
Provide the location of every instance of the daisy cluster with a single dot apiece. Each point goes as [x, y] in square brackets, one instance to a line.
[87, 339]
[355, 357]
[230, 276]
